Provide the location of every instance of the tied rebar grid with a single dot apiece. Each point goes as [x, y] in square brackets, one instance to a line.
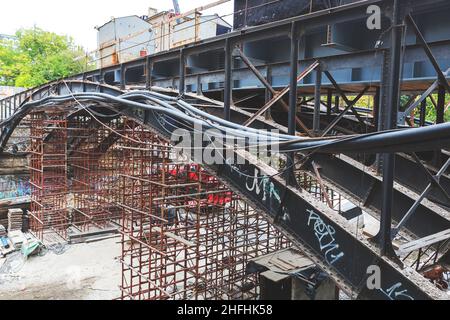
[323, 193]
[71, 176]
[185, 235]
[93, 175]
[48, 173]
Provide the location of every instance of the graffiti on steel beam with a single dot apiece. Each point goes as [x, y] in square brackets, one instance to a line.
[266, 189]
[260, 185]
[325, 235]
[396, 293]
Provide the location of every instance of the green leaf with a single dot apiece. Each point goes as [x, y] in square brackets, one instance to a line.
[38, 57]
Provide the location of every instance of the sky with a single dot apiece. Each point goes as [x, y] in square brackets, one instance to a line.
[79, 18]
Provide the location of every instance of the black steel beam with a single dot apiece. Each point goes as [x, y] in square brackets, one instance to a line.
[409, 174]
[423, 113]
[329, 102]
[318, 229]
[123, 72]
[361, 186]
[429, 53]
[292, 114]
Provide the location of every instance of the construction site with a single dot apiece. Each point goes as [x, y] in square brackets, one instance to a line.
[289, 155]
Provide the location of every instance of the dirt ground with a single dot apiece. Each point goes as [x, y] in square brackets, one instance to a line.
[83, 272]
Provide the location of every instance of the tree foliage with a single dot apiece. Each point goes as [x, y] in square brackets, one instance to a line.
[37, 57]
[431, 114]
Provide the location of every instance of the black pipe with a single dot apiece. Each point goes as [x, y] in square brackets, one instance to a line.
[401, 140]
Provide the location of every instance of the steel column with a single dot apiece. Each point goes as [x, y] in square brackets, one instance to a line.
[101, 76]
[13, 109]
[337, 102]
[228, 87]
[423, 113]
[148, 73]
[182, 83]
[123, 72]
[440, 110]
[376, 107]
[268, 93]
[293, 80]
[389, 118]
[292, 115]
[199, 86]
[317, 102]
[329, 102]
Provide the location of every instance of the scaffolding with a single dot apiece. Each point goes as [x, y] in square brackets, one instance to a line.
[185, 235]
[92, 175]
[48, 173]
[315, 187]
[72, 179]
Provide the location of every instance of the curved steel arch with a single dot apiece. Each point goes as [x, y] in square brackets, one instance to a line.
[63, 87]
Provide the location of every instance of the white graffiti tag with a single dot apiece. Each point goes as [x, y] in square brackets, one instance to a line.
[395, 293]
[264, 188]
[325, 234]
[263, 185]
